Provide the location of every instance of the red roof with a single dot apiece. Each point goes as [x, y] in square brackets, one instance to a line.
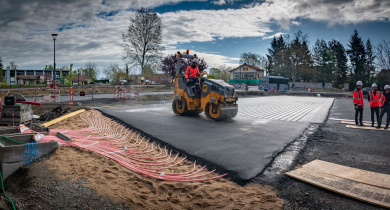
[253, 67]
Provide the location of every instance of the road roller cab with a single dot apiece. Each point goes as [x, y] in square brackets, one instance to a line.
[216, 98]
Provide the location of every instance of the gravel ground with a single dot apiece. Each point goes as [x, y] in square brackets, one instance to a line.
[35, 187]
[333, 142]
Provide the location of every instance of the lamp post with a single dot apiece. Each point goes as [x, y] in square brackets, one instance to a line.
[54, 72]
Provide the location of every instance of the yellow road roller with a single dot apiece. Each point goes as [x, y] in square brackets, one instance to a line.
[215, 97]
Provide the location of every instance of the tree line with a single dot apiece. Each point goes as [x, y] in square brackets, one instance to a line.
[292, 57]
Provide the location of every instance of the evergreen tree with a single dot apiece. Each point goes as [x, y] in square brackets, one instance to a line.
[357, 56]
[323, 61]
[340, 62]
[370, 65]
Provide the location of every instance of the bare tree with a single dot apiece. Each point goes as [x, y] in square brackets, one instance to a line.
[382, 52]
[224, 72]
[113, 72]
[91, 70]
[143, 40]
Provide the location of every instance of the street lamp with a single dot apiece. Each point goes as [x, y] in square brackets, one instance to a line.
[54, 72]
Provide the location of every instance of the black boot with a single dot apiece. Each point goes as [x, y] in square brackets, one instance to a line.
[379, 126]
[372, 125]
[387, 127]
[361, 124]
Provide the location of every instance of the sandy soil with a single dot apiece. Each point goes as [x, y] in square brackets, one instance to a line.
[110, 179]
[121, 185]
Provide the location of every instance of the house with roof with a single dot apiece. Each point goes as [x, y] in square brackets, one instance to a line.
[84, 79]
[28, 79]
[247, 74]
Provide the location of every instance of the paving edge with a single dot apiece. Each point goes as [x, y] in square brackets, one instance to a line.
[232, 176]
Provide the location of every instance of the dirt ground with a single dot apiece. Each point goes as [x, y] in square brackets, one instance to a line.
[74, 178]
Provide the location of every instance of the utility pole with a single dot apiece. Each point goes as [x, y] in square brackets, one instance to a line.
[54, 72]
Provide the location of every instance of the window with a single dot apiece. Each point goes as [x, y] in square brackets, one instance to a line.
[236, 75]
[251, 75]
[29, 72]
[263, 79]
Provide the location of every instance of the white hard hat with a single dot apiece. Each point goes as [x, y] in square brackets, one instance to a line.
[195, 60]
[387, 87]
[374, 85]
[359, 83]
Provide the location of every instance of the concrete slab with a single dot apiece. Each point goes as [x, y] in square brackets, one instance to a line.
[244, 145]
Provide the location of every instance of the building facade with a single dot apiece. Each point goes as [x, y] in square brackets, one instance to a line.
[247, 72]
[11, 76]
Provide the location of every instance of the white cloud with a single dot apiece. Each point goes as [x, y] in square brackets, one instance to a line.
[26, 28]
[274, 35]
[223, 2]
[296, 23]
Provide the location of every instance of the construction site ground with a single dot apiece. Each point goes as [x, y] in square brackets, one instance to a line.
[72, 178]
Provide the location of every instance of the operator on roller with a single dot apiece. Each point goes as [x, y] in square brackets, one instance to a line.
[358, 103]
[385, 101]
[375, 103]
[192, 74]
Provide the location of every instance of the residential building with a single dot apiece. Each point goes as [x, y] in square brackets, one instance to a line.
[247, 72]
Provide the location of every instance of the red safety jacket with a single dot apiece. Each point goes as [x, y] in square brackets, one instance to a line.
[358, 97]
[192, 72]
[382, 100]
[375, 100]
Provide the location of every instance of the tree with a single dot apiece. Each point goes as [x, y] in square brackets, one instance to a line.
[370, 64]
[113, 72]
[276, 56]
[216, 72]
[91, 70]
[250, 58]
[143, 40]
[224, 72]
[13, 65]
[168, 64]
[127, 69]
[297, 57]
[382, 54]
[357, 56]
[148, 72]
[340, 62]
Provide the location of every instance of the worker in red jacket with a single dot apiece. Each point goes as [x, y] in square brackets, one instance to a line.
[192, 74]
[375, 103]
[358, 102]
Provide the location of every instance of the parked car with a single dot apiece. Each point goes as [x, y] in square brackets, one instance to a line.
[366, 90]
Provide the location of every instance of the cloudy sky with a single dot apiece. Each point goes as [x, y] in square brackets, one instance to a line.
[217, 30]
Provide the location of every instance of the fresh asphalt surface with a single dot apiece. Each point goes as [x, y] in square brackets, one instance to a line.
[333, 142]
[243, 146]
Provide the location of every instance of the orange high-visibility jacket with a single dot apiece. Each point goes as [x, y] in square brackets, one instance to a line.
[192, 72]
[382, 100]
[375, 98]
[358, 97]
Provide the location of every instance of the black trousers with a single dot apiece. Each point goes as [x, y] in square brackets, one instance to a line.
[357, 111]
[387, 110]
[376, 110]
